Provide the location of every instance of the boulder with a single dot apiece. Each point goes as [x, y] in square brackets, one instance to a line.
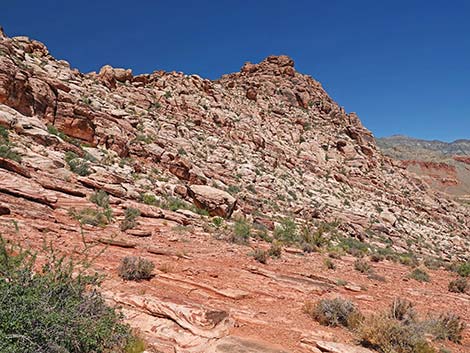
[334, 347]
[216, 202]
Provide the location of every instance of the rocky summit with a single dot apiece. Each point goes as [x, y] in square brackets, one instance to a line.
[206, 177]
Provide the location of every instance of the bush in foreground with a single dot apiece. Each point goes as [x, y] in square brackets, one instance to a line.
[333, 312]
[385, 334]
[53, 311]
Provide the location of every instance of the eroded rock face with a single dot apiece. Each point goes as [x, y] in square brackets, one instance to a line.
[216, 202]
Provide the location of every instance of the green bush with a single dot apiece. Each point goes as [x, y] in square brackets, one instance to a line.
[463, 269]
[130, 218]
[5, 147]
[353, 246]
[420, 275]
[241, 232]
[149, 199]
[52, 310]
[76, 164]
[134, 268]
[100, 198]
[286, 231]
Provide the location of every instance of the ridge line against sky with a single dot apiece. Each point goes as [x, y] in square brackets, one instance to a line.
[403, 66]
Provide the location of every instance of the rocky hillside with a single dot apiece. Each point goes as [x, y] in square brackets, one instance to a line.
[444, 165]
[181, 158]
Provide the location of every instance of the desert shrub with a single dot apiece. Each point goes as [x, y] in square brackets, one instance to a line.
[432, 264]
[387, 335]
[402, 310]
[175, 203]
[330, 264]
[275, 250]
[5, 147]
[376, 277]
[446, 327]
[419, 275]
[76, 164]
[100, 198]
[51, 310]
[353, 246]
[149, 199]
[362, 266]
[134, 268]
[286, 231]
[463, 269]
[377, 257]
[217, 221]
[261, 256]
[459, 285]
[312, 240]
[92, 216]
[130, 218]
[408, 260]
[333, 312]
[241, 232]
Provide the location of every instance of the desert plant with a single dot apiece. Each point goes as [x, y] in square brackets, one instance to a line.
[353, 246]
[241, 232]
[333, 312]
[217, 221]
[446, 327]
[387, 335]
[149, 199]
[459, 285]
[100, 198]
[463, 269]
[403, 310]
[5, 146]
[76, 164]
[312, 240]
[135, 268]
[275, 251]
[55, 308]
[330, 264]
[130, 218]
[92, 216]
[419, 275]
[377, 257]
[362, 266]
[286, 231]
[261, 256]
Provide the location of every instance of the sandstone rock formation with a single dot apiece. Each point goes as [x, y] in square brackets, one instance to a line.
[267, 143]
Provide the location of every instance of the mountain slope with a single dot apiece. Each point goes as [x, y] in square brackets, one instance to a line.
[444, 165]
[265, 144]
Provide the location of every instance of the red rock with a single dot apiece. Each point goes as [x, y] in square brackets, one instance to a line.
[216, 202]
[251, 93]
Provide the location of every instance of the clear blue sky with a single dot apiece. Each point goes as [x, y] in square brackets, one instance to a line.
[403, 66]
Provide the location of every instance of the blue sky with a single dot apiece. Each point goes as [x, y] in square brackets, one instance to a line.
[403, 66]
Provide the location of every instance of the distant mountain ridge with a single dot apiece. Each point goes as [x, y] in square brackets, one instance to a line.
[445, 165]
[402, 142]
